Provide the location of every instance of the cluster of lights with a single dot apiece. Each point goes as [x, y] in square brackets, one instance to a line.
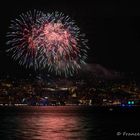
[130, 102]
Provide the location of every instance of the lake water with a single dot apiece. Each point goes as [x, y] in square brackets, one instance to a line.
[63, 123]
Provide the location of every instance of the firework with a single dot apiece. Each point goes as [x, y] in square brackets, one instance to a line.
[51, 41]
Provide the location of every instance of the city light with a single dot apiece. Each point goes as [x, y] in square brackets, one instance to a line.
[130, 102]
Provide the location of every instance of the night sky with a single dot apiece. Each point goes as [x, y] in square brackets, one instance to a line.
[112, 28]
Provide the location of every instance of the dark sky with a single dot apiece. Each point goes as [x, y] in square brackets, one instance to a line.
[112, 28]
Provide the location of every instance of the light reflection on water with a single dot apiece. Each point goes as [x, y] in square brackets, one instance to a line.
[61, 125]
[48, 126]
[52, 126]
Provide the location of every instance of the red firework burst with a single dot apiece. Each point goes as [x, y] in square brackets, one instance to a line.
[51, 40]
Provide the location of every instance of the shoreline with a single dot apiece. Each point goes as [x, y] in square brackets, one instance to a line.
[69, 109]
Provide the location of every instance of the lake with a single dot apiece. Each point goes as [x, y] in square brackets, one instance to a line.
[64, 123]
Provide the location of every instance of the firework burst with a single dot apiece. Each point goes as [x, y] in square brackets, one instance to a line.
[51, 41]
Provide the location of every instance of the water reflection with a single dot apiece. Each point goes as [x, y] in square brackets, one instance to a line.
[46, 126]
[59, 124]
[51, 126]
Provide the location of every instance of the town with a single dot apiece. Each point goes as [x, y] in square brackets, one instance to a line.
[90, 92]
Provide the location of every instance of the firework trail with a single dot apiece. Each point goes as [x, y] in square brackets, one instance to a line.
[51, 41]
